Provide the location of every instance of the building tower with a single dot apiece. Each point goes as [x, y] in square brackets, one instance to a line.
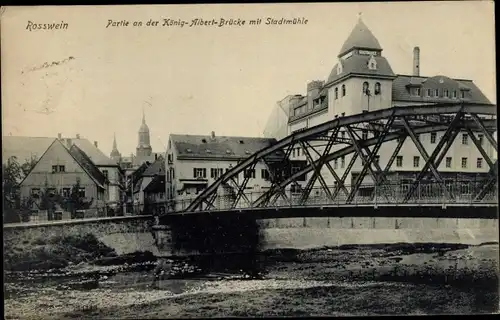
[115, 155]
[143, 148]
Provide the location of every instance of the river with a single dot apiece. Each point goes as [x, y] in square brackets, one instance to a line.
[355, 280]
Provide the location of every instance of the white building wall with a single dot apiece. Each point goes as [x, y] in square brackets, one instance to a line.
[277, 123]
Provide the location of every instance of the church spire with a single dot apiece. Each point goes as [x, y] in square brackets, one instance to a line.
[114, 141]
[115, 154]
[143, 116]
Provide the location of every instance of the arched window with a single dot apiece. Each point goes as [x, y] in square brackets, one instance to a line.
[377, 88]
[343, 90]
[366, 87]
[336, 93]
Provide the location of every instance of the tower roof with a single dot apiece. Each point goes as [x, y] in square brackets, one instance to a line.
[144, 127]
[361, 38]
[114, 152]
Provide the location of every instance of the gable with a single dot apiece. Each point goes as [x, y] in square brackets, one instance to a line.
[55, 155]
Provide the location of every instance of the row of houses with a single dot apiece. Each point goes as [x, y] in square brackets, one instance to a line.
[61, 164]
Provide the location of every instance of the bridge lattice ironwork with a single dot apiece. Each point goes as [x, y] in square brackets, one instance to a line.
[394, 124]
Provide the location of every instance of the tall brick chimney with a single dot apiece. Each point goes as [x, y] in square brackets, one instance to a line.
[59, 136]
[416, 61]
[95, 144]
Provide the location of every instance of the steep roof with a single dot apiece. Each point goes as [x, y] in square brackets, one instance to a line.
[156, 168]
[79, 158]
[221, 147]
[358, 64]
[401, 91]
[26, 147]
[156, 185]
[360, 38]
[85, 161]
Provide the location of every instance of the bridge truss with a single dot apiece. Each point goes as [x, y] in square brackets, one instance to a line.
[394, 124]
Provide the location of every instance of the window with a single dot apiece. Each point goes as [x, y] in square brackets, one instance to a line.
[62, 169]
[249, 173]
[416, 161]
[428, 92]
[336, 93]
[54, 169]
[81, 192]
[105, 172]
[366, 88]
[342, 162]
[343, 90]
[417, 91]
[454, 94]
[481, 138]
[216, 172]
[446, 93]
[342, 134]
[364, 134]
[465, 138]
[433, 137]
[462, 94]
[66, 192]
[293, 152]
[464, 163]
[448, 162]
[377, 88]
[335, 164]
[199, 173]
[436, 92]
[264, 174]
[399, 161]
[479, 162]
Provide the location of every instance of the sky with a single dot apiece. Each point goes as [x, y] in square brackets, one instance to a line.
[202, 79]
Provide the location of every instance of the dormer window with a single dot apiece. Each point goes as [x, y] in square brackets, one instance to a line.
[436, 92]
[339, 68]
[428, 93]
[377, 88]
[446, 93]
[372, 63]
[454, 94]
[462, 94]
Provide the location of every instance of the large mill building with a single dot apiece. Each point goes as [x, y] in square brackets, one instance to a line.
[362, 80]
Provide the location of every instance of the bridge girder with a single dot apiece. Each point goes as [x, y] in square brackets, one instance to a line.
[394, 123]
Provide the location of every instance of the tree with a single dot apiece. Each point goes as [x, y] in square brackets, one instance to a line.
[11, 176]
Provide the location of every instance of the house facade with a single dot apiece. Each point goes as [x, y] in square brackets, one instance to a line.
[58, 170]
[193, 162]
[26, 148]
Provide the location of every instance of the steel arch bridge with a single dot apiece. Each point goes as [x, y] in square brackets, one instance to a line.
[386, 125]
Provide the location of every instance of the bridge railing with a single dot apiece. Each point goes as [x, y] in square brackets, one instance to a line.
[388, 194]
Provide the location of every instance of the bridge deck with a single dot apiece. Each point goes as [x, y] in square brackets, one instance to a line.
[458, 211]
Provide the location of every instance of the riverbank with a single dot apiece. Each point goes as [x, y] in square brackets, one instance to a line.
[362, 280]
